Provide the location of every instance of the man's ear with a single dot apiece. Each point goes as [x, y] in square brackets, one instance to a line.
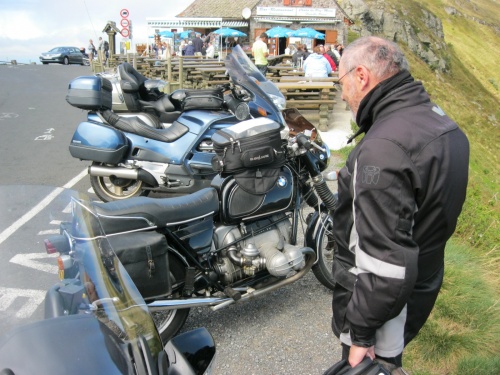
[363, 78]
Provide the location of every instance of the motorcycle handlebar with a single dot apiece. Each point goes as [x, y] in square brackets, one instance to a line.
[304, 141]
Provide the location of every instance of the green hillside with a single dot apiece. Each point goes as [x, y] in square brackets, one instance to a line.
[463, 333]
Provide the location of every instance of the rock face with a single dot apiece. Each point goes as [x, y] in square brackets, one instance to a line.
[403, 22]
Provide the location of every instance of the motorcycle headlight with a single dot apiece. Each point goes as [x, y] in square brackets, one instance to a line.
[278, 101]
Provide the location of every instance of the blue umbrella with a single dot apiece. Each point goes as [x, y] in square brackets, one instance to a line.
[279, 32]
[229, 32]
[166, 34]
[307, 32]
[185, 34]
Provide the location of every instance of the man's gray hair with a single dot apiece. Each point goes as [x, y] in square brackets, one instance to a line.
[380, 56]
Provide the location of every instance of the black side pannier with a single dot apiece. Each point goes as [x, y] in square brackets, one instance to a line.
[211, 99]
[250, 144]
[145, 257]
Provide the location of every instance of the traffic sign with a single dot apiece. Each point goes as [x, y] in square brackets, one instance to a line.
[125, 22]
[124, 13]
[125, 32]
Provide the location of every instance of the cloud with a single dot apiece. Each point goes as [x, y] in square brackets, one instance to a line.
[29, 27]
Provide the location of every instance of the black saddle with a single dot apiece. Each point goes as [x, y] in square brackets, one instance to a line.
[142, 212]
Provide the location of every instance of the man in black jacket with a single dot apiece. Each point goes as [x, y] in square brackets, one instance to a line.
[400, 195]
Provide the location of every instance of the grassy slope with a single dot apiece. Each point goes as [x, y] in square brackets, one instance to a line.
[463, 333]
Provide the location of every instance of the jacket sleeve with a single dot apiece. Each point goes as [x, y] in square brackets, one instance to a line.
[381, 237]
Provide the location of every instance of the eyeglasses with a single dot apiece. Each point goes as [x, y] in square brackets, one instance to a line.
[341, 78]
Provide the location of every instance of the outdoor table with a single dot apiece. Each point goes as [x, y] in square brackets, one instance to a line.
[306, 95]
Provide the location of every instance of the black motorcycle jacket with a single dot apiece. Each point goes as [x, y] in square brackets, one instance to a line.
[400, 195]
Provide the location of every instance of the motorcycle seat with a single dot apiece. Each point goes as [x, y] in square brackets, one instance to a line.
[135, 125]
[160, 212]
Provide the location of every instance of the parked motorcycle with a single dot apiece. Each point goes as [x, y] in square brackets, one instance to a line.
[96, 322]
[232, 241]
[166, 146]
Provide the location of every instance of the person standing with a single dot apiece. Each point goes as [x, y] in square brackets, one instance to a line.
[331, 53]
[328, 58]
[91, 51]
[399, 197]
[210, 51]
[260, 52]
[198, 45]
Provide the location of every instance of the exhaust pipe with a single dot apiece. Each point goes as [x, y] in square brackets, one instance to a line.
[173, 304]
[220, 303]
[120, 172]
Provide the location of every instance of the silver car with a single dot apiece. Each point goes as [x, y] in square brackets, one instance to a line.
[63, 55]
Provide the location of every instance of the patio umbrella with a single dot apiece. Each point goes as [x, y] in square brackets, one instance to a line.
[185, 34]
[229, 32]
[166, 34]
[279, 32]
[307, 32]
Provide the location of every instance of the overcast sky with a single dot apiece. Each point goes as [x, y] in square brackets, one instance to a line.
[29, 27]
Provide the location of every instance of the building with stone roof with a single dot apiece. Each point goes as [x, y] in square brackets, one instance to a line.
[256, 16]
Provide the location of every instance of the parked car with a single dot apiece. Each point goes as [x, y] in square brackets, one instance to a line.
[63, 55]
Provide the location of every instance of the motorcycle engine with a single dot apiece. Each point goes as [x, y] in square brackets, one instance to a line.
[269, 249]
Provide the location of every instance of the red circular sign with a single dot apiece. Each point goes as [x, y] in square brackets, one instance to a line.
[125, 32]
[125, 22]
[124, 13]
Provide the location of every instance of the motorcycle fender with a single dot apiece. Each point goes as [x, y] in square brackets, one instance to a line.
[313, 226]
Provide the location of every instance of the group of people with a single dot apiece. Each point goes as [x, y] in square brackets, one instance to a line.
[320, 63]
[102, 50]
[198, 46]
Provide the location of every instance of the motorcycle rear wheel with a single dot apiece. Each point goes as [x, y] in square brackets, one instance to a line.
[169, 322]
[113, 189]
[324, 245]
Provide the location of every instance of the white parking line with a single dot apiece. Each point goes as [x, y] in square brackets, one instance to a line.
[39, 207]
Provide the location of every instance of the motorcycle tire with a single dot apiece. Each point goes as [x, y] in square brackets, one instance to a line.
[112, 189]
[324, 245]
[169, 322]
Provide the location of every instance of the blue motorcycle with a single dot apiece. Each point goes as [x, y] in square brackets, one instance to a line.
[162, 142]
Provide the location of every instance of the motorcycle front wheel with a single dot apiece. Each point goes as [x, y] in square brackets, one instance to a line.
[169, 322]
[324, 245]
[114, 188]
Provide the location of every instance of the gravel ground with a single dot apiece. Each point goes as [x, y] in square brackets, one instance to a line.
[287, 331]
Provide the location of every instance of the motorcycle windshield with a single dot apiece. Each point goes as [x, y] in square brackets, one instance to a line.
[243, 72]
[104, 289]
[110, 292]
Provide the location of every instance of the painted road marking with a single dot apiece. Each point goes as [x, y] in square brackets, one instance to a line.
[39, 207]
[30, 261]
[9, 295]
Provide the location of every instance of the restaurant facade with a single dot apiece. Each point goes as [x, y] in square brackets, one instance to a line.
[256, 16]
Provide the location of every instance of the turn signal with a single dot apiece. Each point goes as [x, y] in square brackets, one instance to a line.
[262, 111]
[60, 266]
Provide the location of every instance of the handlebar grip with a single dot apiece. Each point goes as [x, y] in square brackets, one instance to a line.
[303, 141]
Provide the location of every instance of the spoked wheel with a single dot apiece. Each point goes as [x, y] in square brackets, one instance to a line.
[324, 244]
[114, 188]
[169, 322]
[66, 60]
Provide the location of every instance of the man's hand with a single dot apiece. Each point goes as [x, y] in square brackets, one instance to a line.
[358, 353]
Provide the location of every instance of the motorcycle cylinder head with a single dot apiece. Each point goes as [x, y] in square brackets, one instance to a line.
[250, 251]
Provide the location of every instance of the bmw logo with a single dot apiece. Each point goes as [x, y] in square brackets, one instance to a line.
[282, 181]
